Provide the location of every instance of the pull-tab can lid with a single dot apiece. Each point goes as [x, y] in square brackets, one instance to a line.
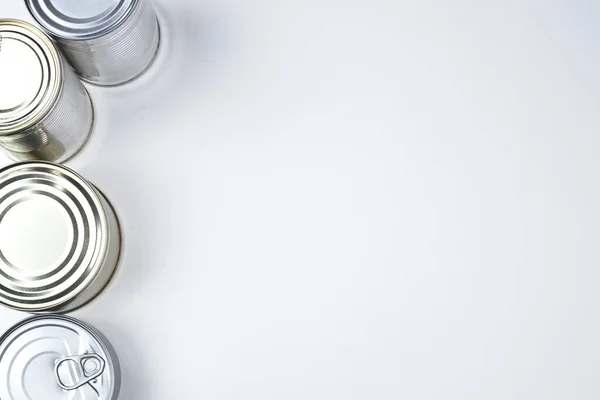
[55, 357]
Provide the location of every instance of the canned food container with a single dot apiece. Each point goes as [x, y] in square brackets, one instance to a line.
[108, 42]
[53, 357]
[45, 112]
[59, 238]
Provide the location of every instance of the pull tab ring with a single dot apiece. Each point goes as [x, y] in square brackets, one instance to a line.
[87, 366]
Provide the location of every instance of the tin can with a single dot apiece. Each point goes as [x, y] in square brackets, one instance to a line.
[108, 42]
[45, 112]
[59, 238]
[53, 357]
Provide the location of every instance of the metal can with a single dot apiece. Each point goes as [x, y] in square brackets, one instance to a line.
[59, 238]
[53, 357]
[108, 42]
[45, 112]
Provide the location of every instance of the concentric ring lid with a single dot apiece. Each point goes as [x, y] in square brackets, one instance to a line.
[30, 76]
[54, 236]
[80, 19]
[56, 358]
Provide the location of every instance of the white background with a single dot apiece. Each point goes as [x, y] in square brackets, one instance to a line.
[360, 199]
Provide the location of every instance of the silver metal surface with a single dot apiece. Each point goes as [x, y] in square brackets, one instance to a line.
[81, 20]
[59, 238]
[108, 42]
[55, 357]
[45, 112]
[87, 368]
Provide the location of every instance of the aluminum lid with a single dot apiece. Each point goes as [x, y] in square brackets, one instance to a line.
[80, 20]
[55, 357]
[30, 76]
[54, 236]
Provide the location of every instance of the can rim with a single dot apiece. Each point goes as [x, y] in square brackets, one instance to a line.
[88, 328]
[74, 34]
[101, 340]
[55, 75]
[103, 250]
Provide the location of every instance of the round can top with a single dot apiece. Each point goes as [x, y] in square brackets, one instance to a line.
[80, 20]
[54, 236]
[30, 76]
[54, 357]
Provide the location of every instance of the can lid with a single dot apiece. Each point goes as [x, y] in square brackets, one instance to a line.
[54, 236]
[30, 75]
[80, 20]
[54, 357]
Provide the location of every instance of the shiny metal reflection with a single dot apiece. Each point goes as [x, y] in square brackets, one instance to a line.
[45, 112]
[59, 238]
[108, 42]
[44, 358]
